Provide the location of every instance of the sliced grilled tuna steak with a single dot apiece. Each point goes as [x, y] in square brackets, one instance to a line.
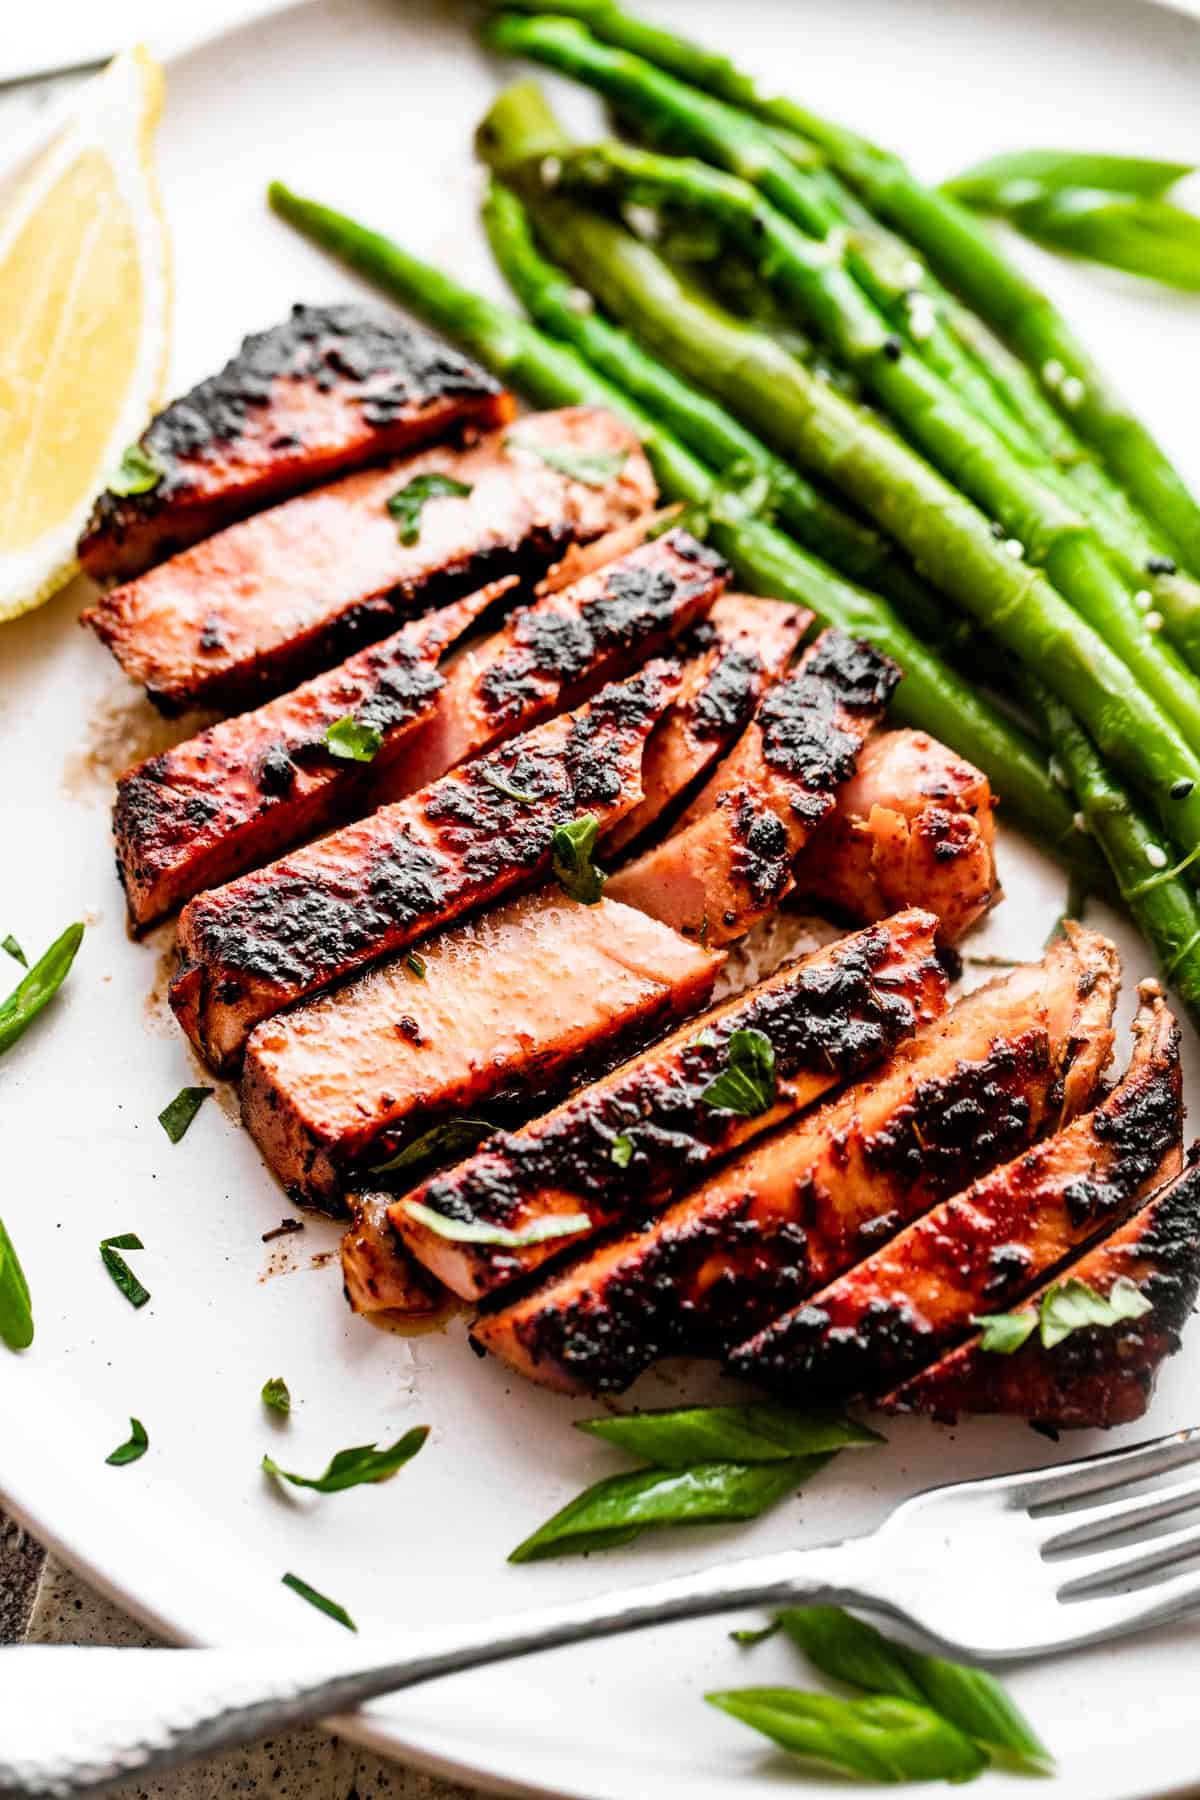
[250, 787]
[652, 1127]
[913, 826]
[1099, 1374]
[495, 1008]
[732, 658]
[553, 652]
[328, 389]
[260, 943]
[908, 1302]
[293, 589]
[730, 861]
[783, 1218]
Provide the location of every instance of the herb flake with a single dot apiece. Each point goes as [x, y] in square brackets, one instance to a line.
[123, 1276]
[760, 1432]
[176, 1117]
[14, 950]
[621, 1152]
[138, 472]
[469, 1231]
[502, 786]
[351, 741]
[747, 1084]
[38, 987]
[452, 1137]
[321, 1601]
[134, 1447]
[16, 1309]
[571, 859]
[594, 468]
[407, 504]
[415, 965]
[360, 1465]
[1068, 1306]
[276, 1395]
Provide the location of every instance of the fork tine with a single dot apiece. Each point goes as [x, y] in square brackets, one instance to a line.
[1122, 1515]
[1089, 1573]
[1112, 1468]
[1114, 1615]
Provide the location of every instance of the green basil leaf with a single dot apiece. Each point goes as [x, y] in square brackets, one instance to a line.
[16, 1309]
[761, 1432]
[497, 781]
[135, 1446]
[123, 1276]
[453, 1137]
[594, 468]
[137, 472]
[276, 1395]
[1142, 237]
[468, 1231]
[879, 1738]
[1003, 1333]
[14, 950]
[39, 987]
[178, 1114]
[322, 1602]
[571, 851]
[621, 1152]
[350, 741]
[360, 1464]
[407, 504]
[747, 1084]
[1072, 1306]
[615, 1510]
[850, 1650]
[415, 965]
[1020, 176]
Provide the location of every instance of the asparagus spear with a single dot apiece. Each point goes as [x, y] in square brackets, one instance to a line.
[1037, 518]
[1163, 905]
[961, 248]
[931, 696]
[559, 307]
[946, 536]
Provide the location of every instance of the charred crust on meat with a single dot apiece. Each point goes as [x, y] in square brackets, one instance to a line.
[725, 704]
[798, 719]
[761, 850]
[276, 772]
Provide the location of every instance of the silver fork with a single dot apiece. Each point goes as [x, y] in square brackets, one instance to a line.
[991, 1571]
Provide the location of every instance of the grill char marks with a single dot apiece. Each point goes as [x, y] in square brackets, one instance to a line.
[730, 660]
[510, 1004]
[828, 1017]
[554, 652]
[251, 786]
[330, 388]
[1100, 1375]
[730, 860]
[293, 589]
[911, 1300]
[913, 827]
[790, 1213]
[275, 936]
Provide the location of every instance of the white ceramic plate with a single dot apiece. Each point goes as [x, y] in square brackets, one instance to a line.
[370, 104]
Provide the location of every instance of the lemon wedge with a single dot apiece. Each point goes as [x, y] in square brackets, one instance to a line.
[85, 295]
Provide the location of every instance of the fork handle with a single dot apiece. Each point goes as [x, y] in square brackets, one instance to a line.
[72, 1721]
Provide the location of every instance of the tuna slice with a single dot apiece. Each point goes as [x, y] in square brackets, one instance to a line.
[650, 1129]
[729, 863]
[552, 653]
[250, 787]
[322, 393]
[496, 1008]
[271, 938]
[963, 1094]
[743, 646]
[908, 1302]
[293, 589]
[913, 826]
[1099, 1375]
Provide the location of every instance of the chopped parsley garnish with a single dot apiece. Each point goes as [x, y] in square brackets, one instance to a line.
[16, 1311]
[135, 1446]
[275, 1394]
[361, 1464]
[351, 741]
[747, 1083]
[471, 1231]
[120, 1270]
[137, 472]
[14, 950]
[571, 858]
[177, 1115]
[594, 468]
[322, 1602]
[621, 1152]
[1068, 1306]
[406, 505]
